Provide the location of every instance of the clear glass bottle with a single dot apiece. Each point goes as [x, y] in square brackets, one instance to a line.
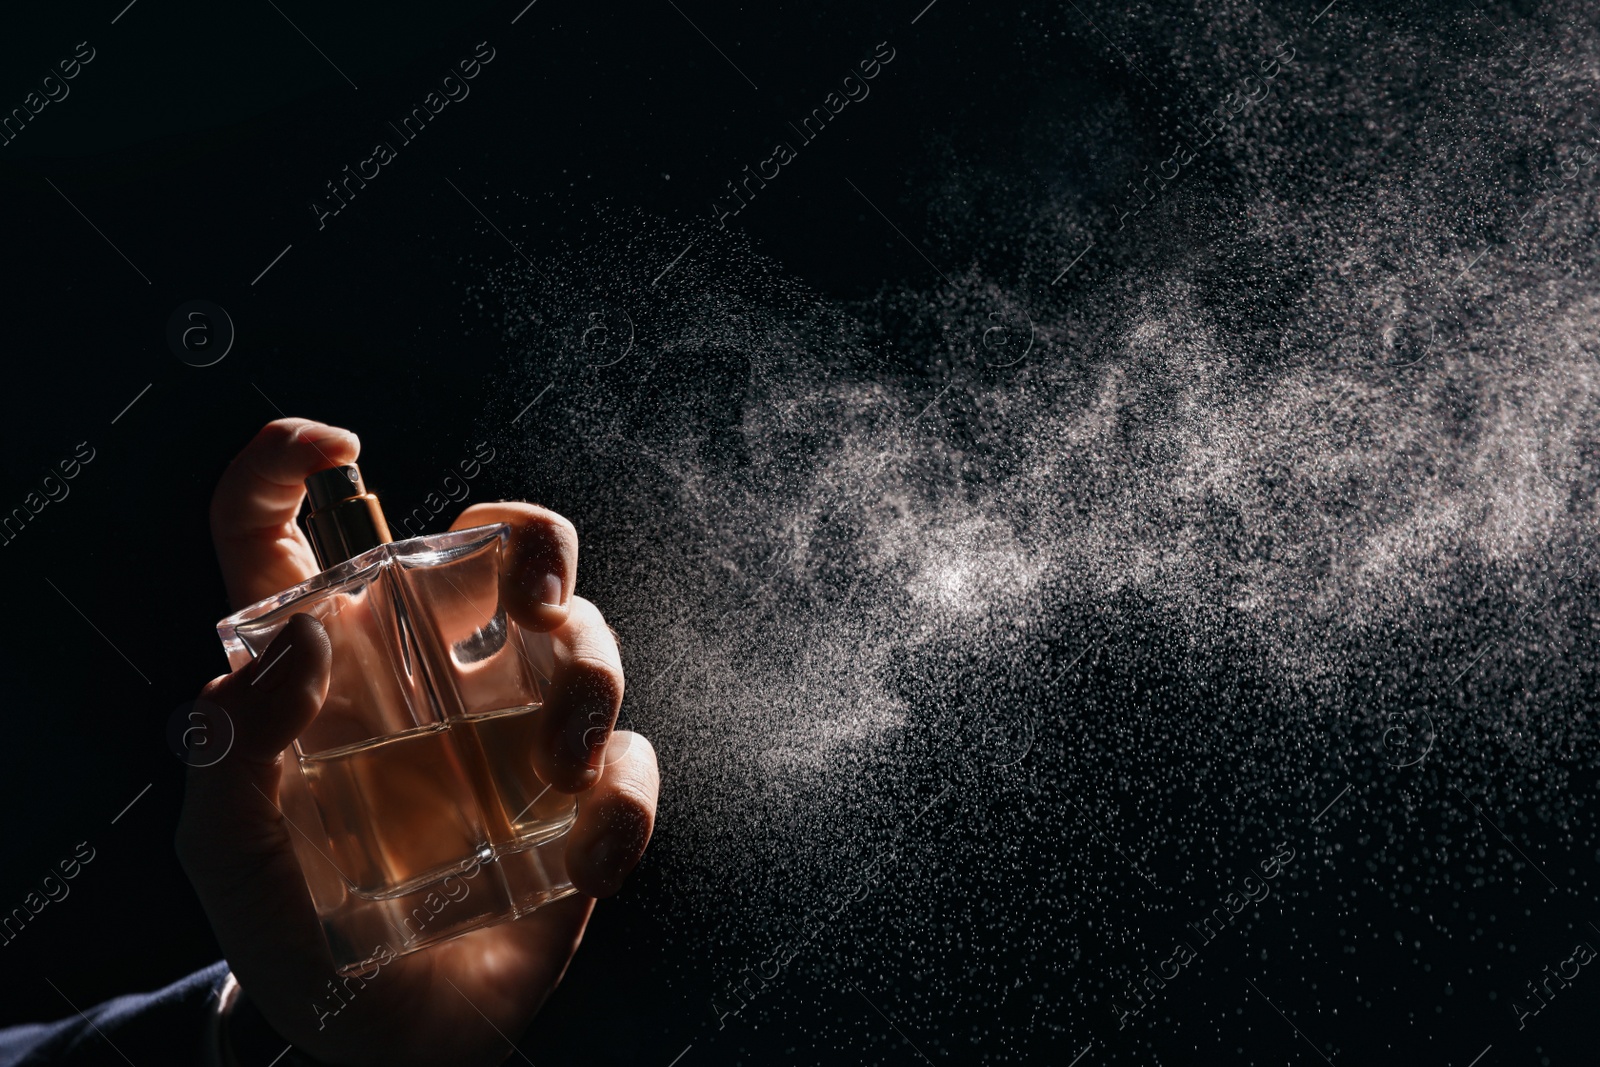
[414, 806]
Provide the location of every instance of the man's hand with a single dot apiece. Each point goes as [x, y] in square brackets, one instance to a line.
[462, 1001]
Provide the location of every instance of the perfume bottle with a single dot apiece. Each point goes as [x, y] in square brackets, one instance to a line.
[414, 805]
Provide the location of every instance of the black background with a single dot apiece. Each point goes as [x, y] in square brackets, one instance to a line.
[194, 141]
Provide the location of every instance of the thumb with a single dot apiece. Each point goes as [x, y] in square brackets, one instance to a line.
[233, 840]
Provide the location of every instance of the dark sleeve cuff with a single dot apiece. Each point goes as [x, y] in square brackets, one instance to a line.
[167, 1026]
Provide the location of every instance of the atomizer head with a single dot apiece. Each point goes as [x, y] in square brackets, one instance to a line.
[345, 520]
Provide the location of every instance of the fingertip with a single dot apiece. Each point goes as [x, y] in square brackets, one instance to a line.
[288, 432]
[262, 488]
[600, 861]
[305, 628]
[302, 629]
[541, 572]
[615, 821]
[335, 438]
[282, 689]
[540, 616]
[317, 669]
[286, 449]
[585, 698]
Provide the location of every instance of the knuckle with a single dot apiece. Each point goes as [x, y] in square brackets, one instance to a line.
[551, 533]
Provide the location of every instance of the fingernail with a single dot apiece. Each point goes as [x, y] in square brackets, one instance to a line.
[605, 855]
[335, 433]
[320, 433]
[550, 591]
[612, 854]
[584, 740]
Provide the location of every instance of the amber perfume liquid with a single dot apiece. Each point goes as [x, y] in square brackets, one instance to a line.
[398, 812]
[416, 810]
[533, 810]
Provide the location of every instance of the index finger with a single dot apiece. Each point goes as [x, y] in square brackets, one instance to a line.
[253, 510]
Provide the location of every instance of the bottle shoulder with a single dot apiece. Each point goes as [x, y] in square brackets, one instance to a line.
[416, 553]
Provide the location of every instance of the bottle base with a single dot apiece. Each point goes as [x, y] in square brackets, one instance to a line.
[365, 934]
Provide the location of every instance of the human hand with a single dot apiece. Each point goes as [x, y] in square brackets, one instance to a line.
[462, 1001]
